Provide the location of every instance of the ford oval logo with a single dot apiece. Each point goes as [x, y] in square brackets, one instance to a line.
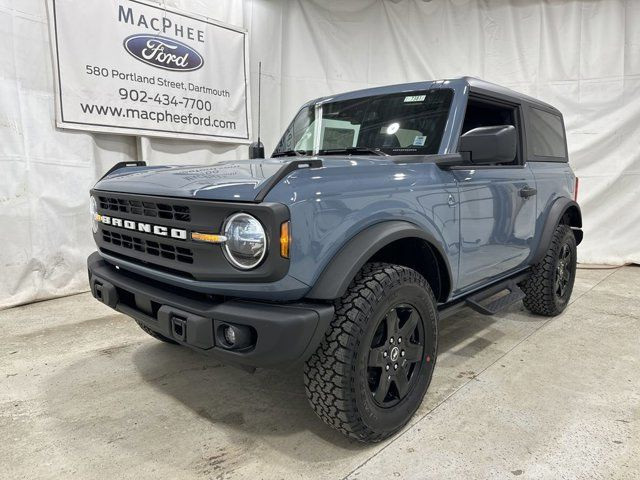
[163, 52]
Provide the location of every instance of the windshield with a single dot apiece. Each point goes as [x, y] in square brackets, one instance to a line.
[397, 124]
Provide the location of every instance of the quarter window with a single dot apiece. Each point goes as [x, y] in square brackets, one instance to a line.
[546, 134]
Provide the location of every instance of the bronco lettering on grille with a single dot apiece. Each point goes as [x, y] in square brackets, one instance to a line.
[159, 230]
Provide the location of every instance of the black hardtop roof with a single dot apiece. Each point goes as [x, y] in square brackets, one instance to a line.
[475, 84]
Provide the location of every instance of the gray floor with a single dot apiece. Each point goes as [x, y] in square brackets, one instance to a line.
[84, 392]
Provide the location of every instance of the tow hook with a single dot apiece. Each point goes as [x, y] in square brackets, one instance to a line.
[179, 328]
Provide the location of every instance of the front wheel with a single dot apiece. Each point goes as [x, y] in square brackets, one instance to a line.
[369, 375]
[550, 283]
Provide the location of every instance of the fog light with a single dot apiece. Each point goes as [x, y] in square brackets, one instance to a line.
[235, 337]
[230, 335]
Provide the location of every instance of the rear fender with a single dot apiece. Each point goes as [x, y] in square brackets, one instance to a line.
[562, 210]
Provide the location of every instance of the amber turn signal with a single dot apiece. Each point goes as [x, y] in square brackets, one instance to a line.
[285, 239]
[208, 237]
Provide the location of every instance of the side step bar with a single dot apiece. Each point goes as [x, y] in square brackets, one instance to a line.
[476, 300]
[494, 306]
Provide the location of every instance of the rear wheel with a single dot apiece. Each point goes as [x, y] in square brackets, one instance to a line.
[371, 372]
[549, 286]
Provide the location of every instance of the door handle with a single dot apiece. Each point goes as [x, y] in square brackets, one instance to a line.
[528, 191]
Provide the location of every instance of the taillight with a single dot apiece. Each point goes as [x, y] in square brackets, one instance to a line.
[575, 190]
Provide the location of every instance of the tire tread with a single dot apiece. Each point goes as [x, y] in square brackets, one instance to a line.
[327, 377]
[538, 288]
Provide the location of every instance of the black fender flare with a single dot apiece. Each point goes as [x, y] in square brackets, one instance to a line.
[343, 267]
[555, 213]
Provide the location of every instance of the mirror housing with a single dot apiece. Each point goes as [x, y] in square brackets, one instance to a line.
[489, 145]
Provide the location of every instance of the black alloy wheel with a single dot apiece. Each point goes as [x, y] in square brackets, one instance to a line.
[563, 272]
[395, 355]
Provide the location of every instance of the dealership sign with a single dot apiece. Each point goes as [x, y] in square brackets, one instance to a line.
[140, 68]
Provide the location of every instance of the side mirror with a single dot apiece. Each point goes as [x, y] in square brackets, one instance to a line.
[487, 145]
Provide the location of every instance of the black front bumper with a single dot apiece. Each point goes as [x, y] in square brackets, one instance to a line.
[283, 333]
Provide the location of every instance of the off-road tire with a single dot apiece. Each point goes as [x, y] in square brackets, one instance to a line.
[541, 297]
[155, 335]
[335, 375]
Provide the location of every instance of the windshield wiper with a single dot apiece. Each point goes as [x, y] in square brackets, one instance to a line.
[290, 153]
[353, 150]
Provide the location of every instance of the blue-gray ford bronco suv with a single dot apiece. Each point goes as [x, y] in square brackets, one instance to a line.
[380, 212]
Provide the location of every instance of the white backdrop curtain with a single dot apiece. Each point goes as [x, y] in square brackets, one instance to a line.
[581, 56]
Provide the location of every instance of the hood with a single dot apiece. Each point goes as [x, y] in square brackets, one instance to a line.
[239, 180]
[244, 180]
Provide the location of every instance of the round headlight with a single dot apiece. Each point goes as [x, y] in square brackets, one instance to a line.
[93, 210]
[246, 243]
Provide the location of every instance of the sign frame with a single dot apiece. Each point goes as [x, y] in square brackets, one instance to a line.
[63, 123]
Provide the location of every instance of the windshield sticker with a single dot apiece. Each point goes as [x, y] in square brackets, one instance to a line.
[415, 98]
[419, 141]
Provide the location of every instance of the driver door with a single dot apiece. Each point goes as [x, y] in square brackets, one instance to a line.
[497, 205]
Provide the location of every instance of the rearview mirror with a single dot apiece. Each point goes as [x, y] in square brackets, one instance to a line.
[488, 145]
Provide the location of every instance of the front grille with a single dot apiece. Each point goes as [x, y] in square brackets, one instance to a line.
[157, 249]
[149, 209]
[176, 253]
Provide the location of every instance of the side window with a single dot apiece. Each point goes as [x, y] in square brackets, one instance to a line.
[546, 134]
[299, 135]
[481, 113]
